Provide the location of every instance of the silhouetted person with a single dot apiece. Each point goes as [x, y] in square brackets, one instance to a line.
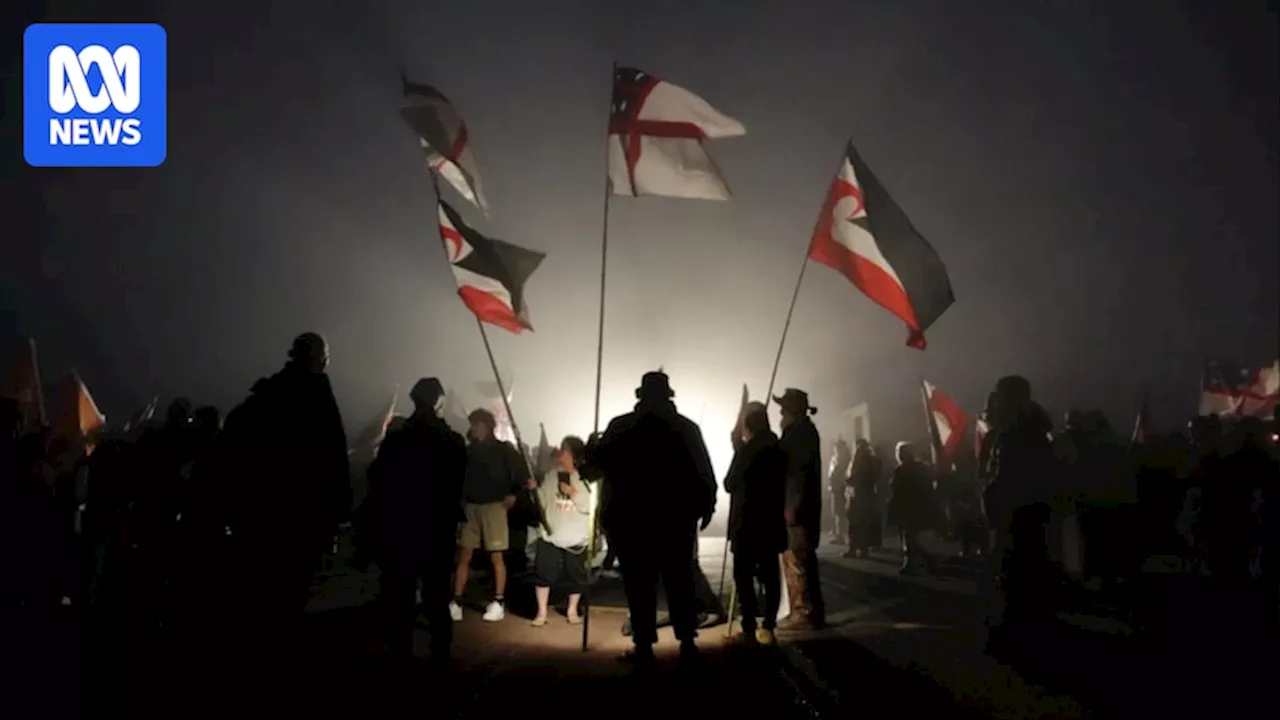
[287, 452]
[1024, 472]
[495, 476]
[410, 519]
[757, 487]
[865, 471]
[911, 510]
[803, 511]
[837, 484]
[661, 483]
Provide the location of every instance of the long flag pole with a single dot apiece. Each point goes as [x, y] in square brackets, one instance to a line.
[768, 396]
[595, 422]
[497, 376]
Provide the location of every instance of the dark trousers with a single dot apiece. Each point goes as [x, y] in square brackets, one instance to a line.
[400, 576]
[647, 558]
[914, 554]
[804, 586]
[748, 568]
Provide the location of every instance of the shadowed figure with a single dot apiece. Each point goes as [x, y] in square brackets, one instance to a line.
[757, 487]
[837, 480]
[1024, 474]
[803, 512]
[660, 484]
[865, 471]
[286, 452]
[410, 518]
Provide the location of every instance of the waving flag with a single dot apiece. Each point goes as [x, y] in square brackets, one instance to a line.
[491, 273]
[373, 434]
[656, 131]
[545, 455]
[75, 420]
[1142, 423]
[444, 139]
[946, 420]
[740, 427]
[980, 429]
[26, 389]
[863, 234]
[1232, 391]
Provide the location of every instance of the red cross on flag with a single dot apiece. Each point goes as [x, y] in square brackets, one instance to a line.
[656, 131]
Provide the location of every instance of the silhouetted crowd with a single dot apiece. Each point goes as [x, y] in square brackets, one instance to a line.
[1051, 516]
[145, 525]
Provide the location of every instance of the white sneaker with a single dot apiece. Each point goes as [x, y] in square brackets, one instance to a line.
[455, 611]
[494, 612]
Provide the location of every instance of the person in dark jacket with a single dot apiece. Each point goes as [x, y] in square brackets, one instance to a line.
[1025, 475]
[410, 519]
[803, 513]
[286, 450]
[757, 487]
[865, 531]
[495, 475]
[837, 483]
[660, 484]
[911, 510]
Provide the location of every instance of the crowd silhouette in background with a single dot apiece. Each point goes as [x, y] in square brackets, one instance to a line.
[142, 525]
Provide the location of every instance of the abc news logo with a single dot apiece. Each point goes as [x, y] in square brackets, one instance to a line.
[95, 95]
[69, 90]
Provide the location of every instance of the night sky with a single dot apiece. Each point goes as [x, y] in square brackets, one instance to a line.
[1099, 177]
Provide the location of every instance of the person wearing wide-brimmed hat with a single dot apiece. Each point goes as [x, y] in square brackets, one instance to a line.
[803, 512]
[659, 485]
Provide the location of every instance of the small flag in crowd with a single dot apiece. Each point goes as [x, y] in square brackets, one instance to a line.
[75, 421]
[491, 273]
[947, 420]
[142, 417]
[980, 429]
[1142, 423]
[545, 457]
[739, 427]
[656, 131]
[25, 387]
[1232, 391]
[863, 234]
[372, 437]
[444, 139]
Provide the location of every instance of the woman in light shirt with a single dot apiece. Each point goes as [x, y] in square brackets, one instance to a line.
[561, 553]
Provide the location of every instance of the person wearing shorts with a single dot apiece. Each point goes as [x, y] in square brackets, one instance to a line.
[562, 543]
[494, 476]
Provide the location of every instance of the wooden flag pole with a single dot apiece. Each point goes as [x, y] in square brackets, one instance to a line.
[595, 422]
[488, 349]
[768, 398]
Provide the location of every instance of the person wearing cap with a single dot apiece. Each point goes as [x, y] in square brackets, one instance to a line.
[660, 485]
[803, 511]
[495, 475]
[411, 518]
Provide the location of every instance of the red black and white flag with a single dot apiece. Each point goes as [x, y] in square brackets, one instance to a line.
[656, 131]
[444, 139]
[863, 234]
[1232, 391]
[947, 421]
[491, 273]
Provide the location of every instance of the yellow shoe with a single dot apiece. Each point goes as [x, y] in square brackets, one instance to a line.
[766, 637]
